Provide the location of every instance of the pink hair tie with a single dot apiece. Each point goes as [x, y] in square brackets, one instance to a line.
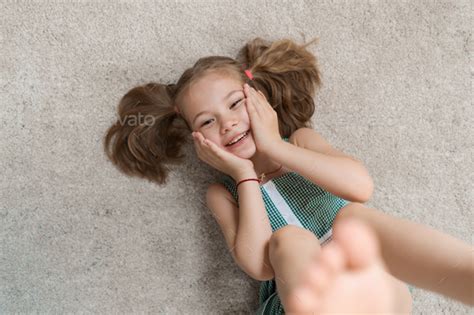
[249, 74]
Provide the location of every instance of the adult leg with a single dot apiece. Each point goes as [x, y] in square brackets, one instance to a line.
[420, 255]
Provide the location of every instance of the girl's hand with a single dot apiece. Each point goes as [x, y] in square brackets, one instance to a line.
[263, 119]
[220, 159]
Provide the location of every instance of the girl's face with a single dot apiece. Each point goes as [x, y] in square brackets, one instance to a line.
[215, 106]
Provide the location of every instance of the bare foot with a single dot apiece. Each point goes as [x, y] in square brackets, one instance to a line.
[348, 276]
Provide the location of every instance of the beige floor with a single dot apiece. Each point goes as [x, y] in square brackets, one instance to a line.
[78, 236]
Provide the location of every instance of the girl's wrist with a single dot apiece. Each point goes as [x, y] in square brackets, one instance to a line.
[245, 175]
[247, 180]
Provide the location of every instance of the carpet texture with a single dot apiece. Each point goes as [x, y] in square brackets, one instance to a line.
[79, 236]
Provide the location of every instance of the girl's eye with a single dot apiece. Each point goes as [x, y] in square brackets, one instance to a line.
[236, 103]
[231, 106]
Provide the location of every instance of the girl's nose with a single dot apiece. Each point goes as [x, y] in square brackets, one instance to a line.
[229, 124]
[229, 119]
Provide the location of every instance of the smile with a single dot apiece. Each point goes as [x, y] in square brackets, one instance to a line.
[240, 141]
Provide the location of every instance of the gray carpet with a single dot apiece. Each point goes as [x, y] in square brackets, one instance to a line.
[78, 236]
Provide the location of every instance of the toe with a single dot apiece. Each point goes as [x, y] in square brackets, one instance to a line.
[321, 271]
[358, 241]
[333, 258]
[302, 299]
[318, 276]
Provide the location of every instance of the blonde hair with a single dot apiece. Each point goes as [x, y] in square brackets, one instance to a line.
[149, 134]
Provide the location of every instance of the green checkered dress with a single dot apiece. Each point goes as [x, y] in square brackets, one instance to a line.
[292, 199]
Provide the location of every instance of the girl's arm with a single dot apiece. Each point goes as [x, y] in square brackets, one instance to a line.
[337, 173]
[254, 229]
[226, 212]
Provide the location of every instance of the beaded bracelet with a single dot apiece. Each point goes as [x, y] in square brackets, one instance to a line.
[244, 180]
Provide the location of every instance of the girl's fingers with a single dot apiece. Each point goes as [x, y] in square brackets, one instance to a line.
[264, 99]
[250, 106]
[260, 97]
[265, 105]
[198, 140]
[211, 146]
[254, 100]
[257, 102]
[248, 95]
[201, 148]
[203, 143]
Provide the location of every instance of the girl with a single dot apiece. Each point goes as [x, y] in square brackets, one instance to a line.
[283, 186]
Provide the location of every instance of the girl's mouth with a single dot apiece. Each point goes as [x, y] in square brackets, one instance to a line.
[240, 142]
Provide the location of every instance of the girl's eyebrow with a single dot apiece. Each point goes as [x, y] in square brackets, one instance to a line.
[205, 111]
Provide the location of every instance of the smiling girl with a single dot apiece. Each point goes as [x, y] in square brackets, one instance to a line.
[284, 188]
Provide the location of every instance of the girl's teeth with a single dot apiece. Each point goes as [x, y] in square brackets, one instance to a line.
[243, 136]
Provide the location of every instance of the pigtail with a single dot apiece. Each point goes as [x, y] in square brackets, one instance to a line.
[288, 74]
[148, 134]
